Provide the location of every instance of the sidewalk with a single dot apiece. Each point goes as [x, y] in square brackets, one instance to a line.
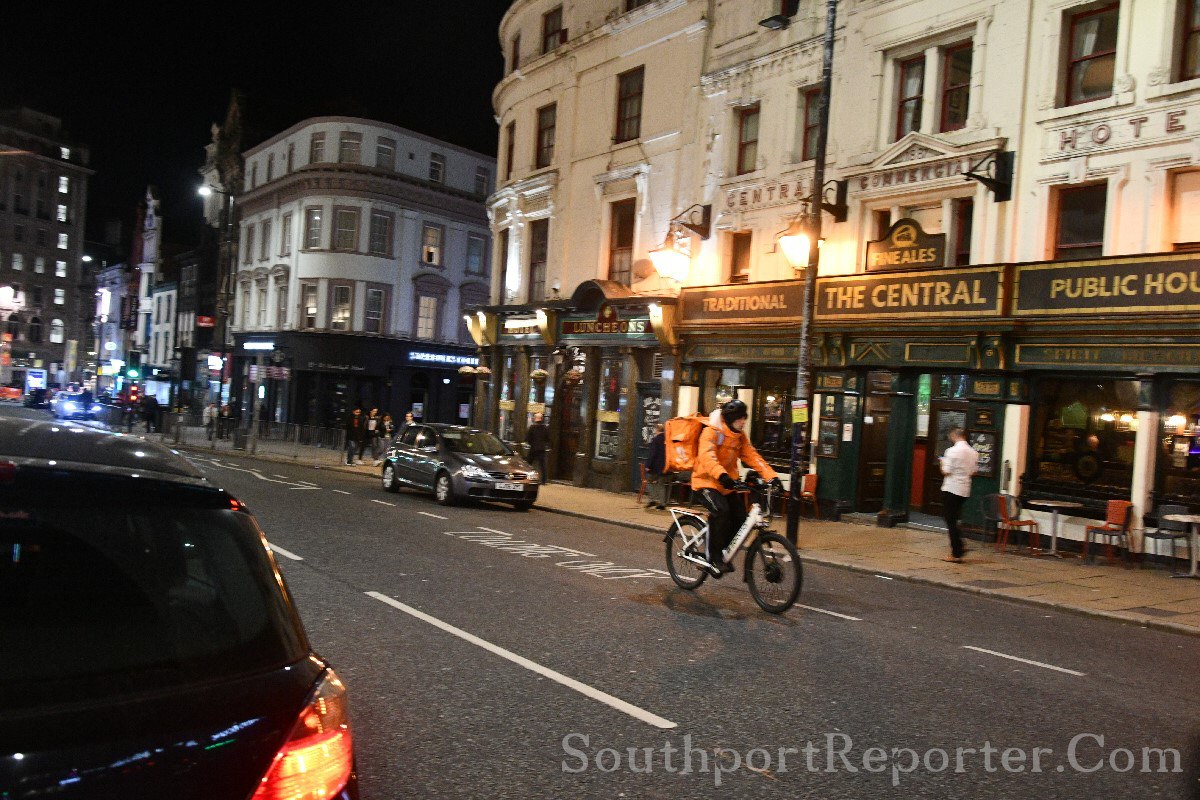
[1145, 596]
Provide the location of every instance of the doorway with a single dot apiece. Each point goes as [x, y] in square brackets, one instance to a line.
[570, 423]
[944, 416]
[872, 461]
[649, 414]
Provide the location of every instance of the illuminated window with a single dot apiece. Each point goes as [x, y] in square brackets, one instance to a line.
[1091, 54]
[426, 317]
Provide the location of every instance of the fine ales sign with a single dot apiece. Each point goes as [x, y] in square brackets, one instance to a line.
[906, 246]
[936, 293]
[1110, 286]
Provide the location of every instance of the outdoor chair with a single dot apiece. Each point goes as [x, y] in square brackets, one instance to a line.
[1007, 510]
[1115, 528]
[1169, 530]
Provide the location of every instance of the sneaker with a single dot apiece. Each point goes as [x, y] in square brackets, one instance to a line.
[953, 559]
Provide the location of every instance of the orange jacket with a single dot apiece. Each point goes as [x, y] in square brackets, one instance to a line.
[718, 454]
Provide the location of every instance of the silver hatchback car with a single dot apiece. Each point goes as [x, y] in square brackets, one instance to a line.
[458, 463]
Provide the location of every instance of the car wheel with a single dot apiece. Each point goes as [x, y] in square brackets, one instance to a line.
[443, 489]
[389, 478]
[523, 505]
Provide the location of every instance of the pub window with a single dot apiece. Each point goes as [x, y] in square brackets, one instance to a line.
[956, 86]
[608, 408]
[1185, 216]
[545, 135]
[911, 89]
[1083, 434]
[773, 433]
[620, 249]
[539, 246]
[1179, 453]
[1080, 222]
[810, 122]
[508, 397]
[1189, 51]
[1091, 53]
[739, 256]
[747, 145]
[721, 386]
[964, 213]
[629, 105]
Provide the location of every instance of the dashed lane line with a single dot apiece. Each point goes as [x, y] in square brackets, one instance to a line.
[383, 503]
[830, 613]
[609, 700]
[1025, 661]
[285, 553]
[435, 516]
[340, 491]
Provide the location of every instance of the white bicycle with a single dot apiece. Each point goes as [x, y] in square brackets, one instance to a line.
[772, 569]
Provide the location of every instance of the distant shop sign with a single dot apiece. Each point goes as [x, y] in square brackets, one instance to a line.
[449, 359]
[1109, 286]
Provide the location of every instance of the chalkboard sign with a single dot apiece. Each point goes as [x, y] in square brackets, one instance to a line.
[829, 432]
[608, 443]
[985, 445]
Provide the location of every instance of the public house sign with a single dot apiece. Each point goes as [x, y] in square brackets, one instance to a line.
[768, 302]
[963, 293]
[906, 245]
[1132, 285]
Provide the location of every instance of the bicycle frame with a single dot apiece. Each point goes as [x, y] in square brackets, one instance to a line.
[755, 520]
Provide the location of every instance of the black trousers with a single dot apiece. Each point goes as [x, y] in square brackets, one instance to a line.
[953, 504]
[726, 513]
[538, 458]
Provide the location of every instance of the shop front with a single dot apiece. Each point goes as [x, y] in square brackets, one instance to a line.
[318, 378]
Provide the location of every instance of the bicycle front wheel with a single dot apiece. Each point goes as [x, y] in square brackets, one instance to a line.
[684, 537]
[774, 573]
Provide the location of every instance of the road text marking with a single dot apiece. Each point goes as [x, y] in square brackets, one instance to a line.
[1025, 661]
[830, 613]
[588, 691]
[285, 553]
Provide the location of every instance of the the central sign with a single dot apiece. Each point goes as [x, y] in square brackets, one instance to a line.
[907, 246]
[773, 302]
[936, 293]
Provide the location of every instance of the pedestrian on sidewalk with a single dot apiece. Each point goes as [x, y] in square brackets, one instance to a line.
[372, 437]
[656, 462]
[387, 432]
[356, 426]
[958, 465]
[538, 439]
[209, 417]
[224, 422]
[150, 412]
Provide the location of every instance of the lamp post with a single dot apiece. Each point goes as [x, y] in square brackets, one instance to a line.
[800, 250]
[226, 261]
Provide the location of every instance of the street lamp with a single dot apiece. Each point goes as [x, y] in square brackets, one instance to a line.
[671, 259]
[226, 261]
[799, 251]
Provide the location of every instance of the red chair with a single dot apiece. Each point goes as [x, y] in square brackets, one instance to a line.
[808, 495]
[1117, 518]
[642, 488]
[1004, 513]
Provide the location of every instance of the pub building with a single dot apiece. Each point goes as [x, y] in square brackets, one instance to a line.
[591, 364]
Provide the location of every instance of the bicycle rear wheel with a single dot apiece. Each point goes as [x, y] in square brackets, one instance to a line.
[774, 573]
[686, 574]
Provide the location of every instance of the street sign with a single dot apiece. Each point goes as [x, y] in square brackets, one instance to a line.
[35, 379]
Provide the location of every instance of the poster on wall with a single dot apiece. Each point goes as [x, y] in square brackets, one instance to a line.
[828, 437]
[418, 410]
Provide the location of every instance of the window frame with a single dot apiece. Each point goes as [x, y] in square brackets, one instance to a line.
[316, 148]
[310, 227]
[629, 125]
[281, 302]
[349, 144]
[305, 316]
[514, 53]
[437, 168]
[419, 317]
[483, 181]
[339, 212]
[746, 146]
[388, 220]
[539, 256]
[382, 160]
[1061, 192]
[1189, 36]
[248, 245]
[334, 288]
[547, 121]
[947, 89]
[483, 254]
[440, 246]
[1071, 62]
[614, 235]
[903, 100]
[285, 235]
[811, 132]
[264, 245]
[379, 319]
[736, 274]
[552, 37]
[510, 149]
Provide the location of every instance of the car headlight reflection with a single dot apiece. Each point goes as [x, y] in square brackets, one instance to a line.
[70, 406]
[472, 471]
[533, 476]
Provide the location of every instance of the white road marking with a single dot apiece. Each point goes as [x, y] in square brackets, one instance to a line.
[339, 491]
[885, 577]
[493, 530]
[285, 553]
[435, 516]
[588, 691]
[285, 477]
[384, 503]
[288, 482]
[318, 488]
[830, 613]
[1025, 661]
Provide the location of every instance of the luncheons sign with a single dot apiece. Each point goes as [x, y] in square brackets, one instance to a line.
[906, 246]
[936, 293]
[1109, 286]
[606, 323]
[776, 302]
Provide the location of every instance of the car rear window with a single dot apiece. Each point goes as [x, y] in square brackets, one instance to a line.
[107, 593]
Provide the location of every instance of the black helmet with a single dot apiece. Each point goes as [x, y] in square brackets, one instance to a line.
[732, 411]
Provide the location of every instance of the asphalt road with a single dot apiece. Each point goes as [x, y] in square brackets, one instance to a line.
[496, 653]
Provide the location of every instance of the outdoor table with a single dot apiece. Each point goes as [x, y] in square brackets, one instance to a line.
[1055, 506]
[1194, 521]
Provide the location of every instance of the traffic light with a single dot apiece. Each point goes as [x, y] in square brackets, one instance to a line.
[133, 370]
[133, 394]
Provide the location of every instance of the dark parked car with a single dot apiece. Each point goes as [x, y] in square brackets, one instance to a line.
[151, 648]
[38, 398]
[457, 463]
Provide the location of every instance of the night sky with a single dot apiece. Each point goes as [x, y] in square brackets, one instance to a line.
[140, 84]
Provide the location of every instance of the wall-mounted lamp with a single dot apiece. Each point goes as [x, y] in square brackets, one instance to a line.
[796, 242]
[672, 259]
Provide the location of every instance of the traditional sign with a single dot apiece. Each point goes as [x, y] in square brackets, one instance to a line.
[906, 246]
[1109, 286]
[939, 293]
[769, 302]
[1122, 355]
[606, 323]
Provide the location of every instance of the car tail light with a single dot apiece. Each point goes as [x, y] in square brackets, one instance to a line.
[316, 761]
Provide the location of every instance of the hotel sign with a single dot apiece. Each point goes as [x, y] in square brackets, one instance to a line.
[1111, 286]
[906, 246]
[963, 293]
[772, 302]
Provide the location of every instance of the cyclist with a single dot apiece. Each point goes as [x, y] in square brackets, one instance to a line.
[722, 443]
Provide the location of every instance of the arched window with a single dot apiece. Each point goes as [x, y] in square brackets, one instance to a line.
[35, 330]
[13, 328]
[56, 331]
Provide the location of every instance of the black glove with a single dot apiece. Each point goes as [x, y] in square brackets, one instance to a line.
[776, 484]
[726, 481]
